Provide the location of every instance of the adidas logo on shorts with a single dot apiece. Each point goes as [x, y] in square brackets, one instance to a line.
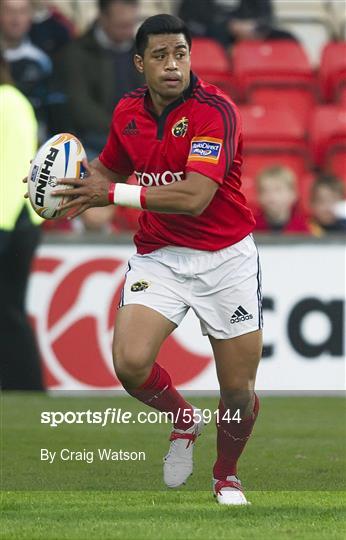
[240, 315]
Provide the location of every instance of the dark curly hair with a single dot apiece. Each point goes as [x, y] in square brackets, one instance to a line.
[160, 24]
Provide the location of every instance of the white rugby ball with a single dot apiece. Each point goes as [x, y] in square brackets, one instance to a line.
[59, 157]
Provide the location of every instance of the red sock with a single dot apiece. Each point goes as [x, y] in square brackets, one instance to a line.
[231, 440]
[158, 392]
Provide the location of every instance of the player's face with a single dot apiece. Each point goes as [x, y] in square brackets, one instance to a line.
[166, 64]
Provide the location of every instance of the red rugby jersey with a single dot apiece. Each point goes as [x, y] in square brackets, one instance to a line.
[200, 132]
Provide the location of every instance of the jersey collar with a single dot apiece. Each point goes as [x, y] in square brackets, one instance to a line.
[161, 120]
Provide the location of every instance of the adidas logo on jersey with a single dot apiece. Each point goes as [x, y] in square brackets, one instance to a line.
[131, 128]
[240, 315]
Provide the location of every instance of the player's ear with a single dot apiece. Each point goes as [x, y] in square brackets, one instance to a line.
[138, 60]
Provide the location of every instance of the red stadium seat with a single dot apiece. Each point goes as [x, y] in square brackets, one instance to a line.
[272, 129]
[276, 64]
[301, 101]
[210, 62]
[333, 71]
[255, 163]
[272, 136]
[209, 55]
[328, 134]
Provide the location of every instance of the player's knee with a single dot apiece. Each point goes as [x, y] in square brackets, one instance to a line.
[238, 398]
[130, 362]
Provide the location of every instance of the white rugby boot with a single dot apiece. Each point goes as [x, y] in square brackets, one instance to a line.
[229, 491]
[178, 463]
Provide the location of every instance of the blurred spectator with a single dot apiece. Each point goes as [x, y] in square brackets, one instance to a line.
[50, 29]
[105, 220]
[202, 21]
[229, 21]
[96, 220]
[30, 67]
[277, 197]
[327, 201]
[97, 70]
[148, 8]
[19, 237]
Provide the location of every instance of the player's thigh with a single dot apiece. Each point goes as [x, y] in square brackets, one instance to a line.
[227, 297]
[139, 332]
[152, 305]
[237, 360]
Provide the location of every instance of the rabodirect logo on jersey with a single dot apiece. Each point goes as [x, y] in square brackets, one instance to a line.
[205, 149]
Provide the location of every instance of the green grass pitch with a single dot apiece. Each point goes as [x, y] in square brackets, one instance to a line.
[293, 471]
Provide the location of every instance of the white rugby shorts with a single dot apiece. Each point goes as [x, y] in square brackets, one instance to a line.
[223, 287]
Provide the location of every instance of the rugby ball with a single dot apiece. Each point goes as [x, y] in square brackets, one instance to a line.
[59, 157]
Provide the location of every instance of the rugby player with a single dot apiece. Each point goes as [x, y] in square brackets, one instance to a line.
[182, 139]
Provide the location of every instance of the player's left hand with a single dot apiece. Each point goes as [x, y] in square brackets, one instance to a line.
[84, 193]
[25, 181]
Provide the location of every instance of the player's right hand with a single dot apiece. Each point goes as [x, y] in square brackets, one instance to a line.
[84, 193]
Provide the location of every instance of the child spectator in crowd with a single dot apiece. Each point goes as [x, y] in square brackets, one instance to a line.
[327, 205]
[277, 197]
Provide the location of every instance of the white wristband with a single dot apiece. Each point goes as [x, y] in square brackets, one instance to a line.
[125, 195]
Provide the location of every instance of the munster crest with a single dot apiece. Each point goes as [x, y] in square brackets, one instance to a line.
[180, 128]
